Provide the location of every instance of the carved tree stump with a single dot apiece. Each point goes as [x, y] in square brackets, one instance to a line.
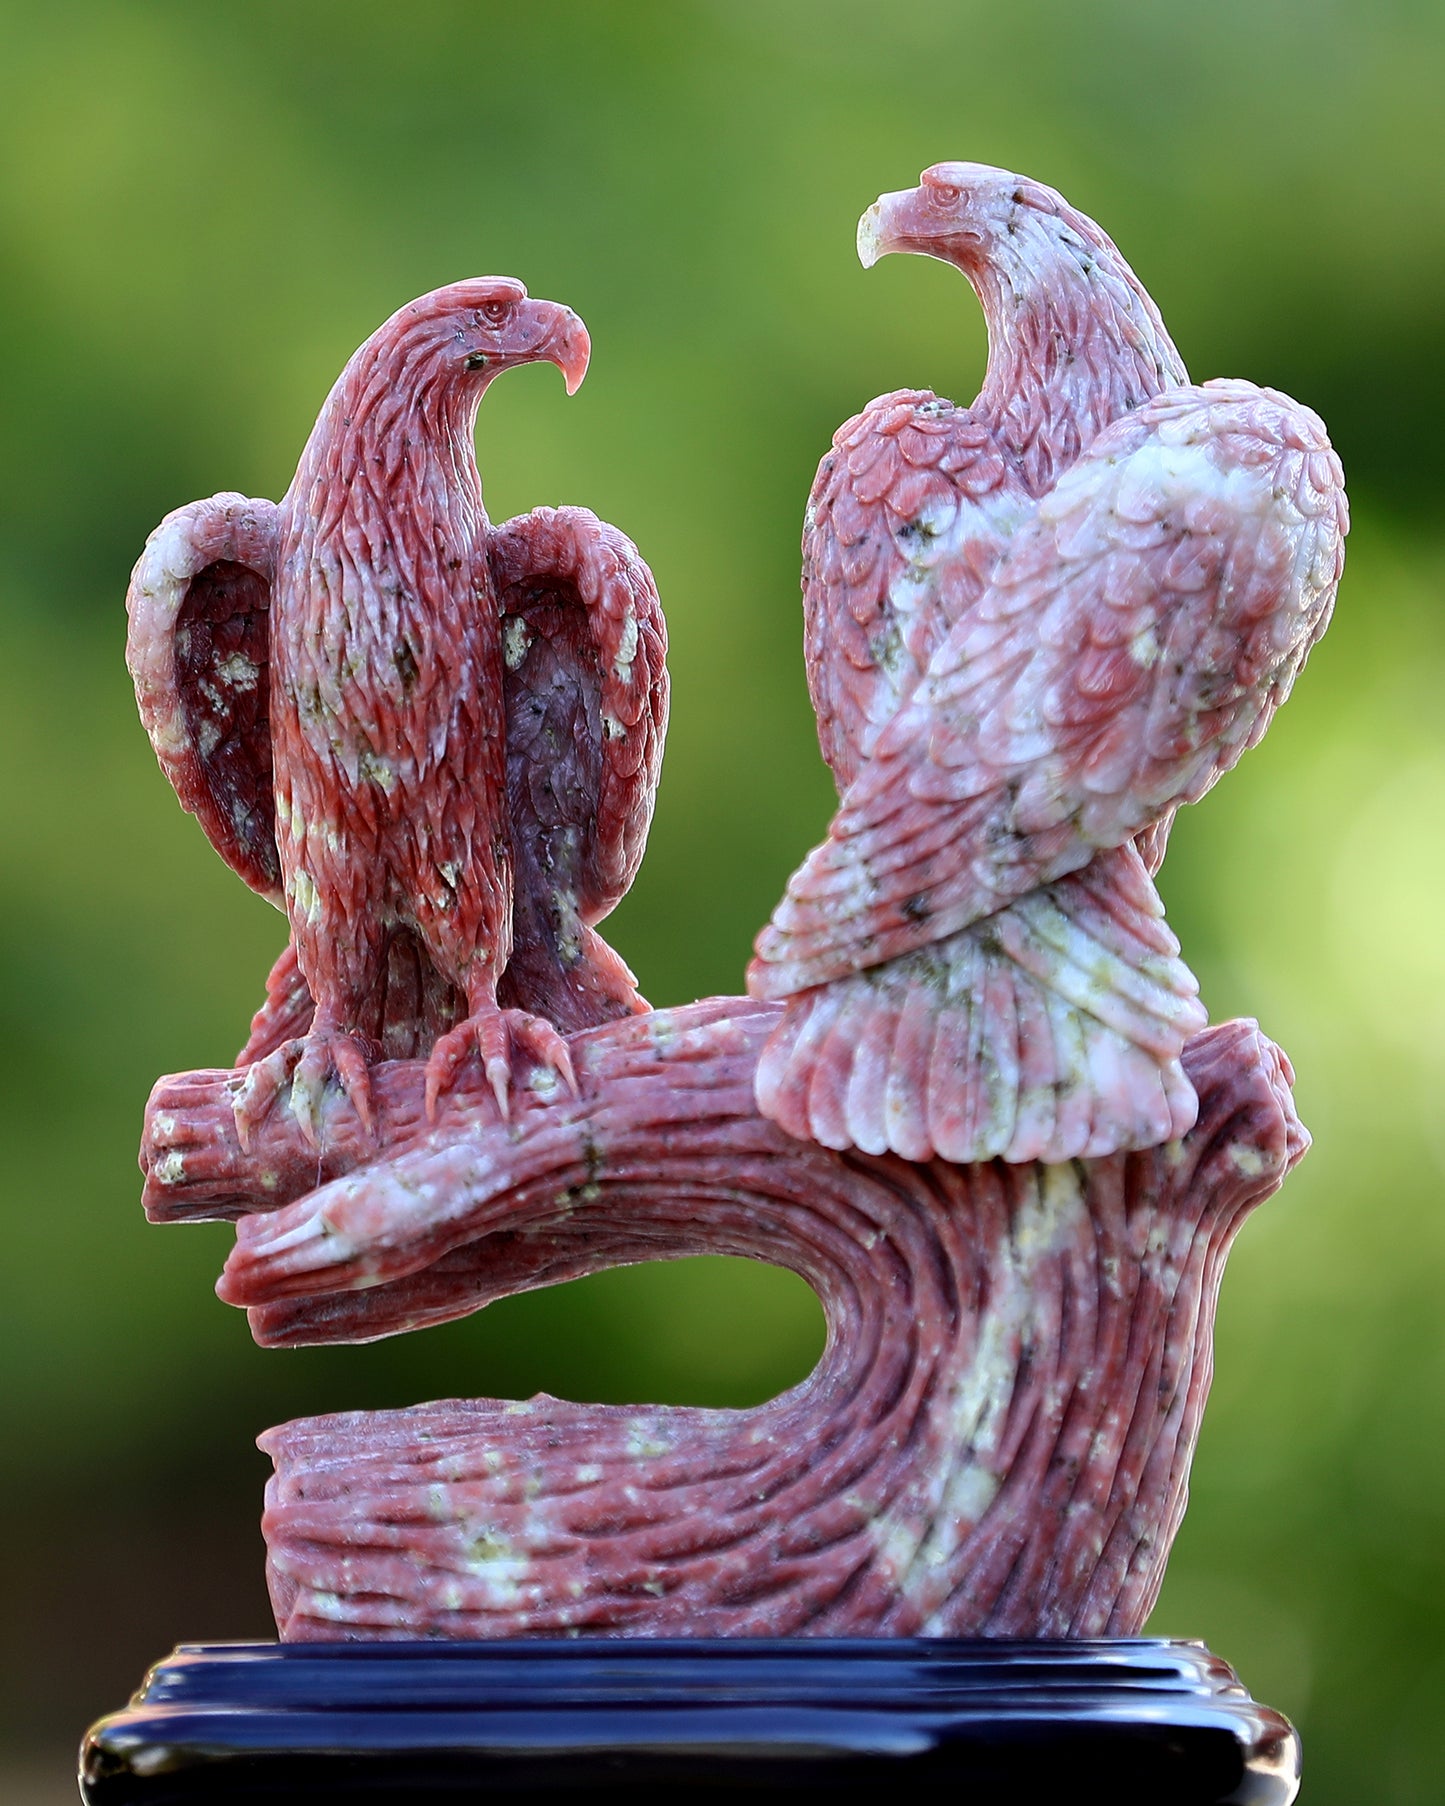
[996, 1440]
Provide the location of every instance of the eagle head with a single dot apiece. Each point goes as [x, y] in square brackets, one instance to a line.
[498, 326]
[463, 335]
[959, 212]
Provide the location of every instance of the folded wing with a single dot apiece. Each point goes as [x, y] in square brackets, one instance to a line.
[584, 645]
[1137, 637]
[907, 517]
[198, 651]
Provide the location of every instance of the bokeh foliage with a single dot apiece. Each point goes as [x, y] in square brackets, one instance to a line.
[203, 210]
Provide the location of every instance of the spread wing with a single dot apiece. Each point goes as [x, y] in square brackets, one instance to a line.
[908, 515]
[584, 645]
[1137, 637]
[198, 651]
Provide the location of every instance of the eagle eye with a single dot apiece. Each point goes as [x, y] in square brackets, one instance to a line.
[942, 194]
[496, 311]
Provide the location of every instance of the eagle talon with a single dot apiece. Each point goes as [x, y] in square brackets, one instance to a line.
[494, 1034]
[302, 1067]
[323, 1052]
[252, 1101]
[529, 658]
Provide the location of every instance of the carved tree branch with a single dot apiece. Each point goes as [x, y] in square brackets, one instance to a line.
[996, 1440]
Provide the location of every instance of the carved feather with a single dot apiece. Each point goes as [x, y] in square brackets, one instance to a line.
[584, 645]
[199, 653]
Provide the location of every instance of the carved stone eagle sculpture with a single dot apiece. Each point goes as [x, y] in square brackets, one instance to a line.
[434, 743]
[1034, 628]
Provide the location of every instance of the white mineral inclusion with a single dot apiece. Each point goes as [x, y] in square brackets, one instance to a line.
[516, 639]
[626, 648]
[979, 1405]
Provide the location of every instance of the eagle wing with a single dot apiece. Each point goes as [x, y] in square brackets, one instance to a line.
[198, 652]
[1137, 637]
[906, 520]
[586, 689]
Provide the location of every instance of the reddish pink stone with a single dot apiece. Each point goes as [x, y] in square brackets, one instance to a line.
[1034, 628]
[996, 1441]
[972, 1101]
[432, 741]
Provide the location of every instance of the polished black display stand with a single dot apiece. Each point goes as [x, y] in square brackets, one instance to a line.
[1131, 1722]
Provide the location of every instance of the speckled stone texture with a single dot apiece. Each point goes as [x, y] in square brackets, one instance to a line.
[432, 741]
[972, 1099]
[996, 1441]
[1035, 627]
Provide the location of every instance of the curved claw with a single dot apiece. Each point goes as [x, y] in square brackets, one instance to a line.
[323, 1053]
[494, 1034]
[264, 1082]
[304, 1065]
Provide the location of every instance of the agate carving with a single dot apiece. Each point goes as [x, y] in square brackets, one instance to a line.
[973, 1097]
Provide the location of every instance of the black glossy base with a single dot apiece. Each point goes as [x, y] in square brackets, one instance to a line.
[1131, 1723]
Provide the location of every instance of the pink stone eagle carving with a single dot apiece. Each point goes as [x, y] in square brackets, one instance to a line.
[433, 742]
[1034, 628]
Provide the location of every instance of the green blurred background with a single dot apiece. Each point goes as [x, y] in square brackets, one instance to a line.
[204, 209]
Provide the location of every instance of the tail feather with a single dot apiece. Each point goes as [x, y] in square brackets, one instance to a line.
[905, 1113]
[949, 1104]
[828, 1086]
[1003, 1042]
[1050, 1031]
[1039, 1086]
[1074, 1107]
[865, 1105]
[1103, 966]
[786, 1064]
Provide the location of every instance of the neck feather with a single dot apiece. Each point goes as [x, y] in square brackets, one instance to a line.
[395, 438]
[1074, 339]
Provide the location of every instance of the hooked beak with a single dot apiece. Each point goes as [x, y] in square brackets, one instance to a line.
[910, 220]
[878, 229]
[870, 237]
[569, 348]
